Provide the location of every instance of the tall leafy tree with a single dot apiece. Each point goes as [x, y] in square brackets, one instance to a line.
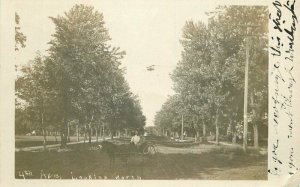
[35, 95]
[209, 78]
[232, 26]
[80, 82]
[86, 70]
[82, 62]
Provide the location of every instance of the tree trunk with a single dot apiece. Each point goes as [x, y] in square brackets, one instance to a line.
[77, 130]
[55, 134]
[217, 134]
[97, 133]
[255, 134]
[230, 130]
[63, 134]
[103, 133]
[234, 137]
[217, 127]
[90, 129]
[90, 133]
[68, 132]
[203, 131]
[112, 134]
[44, 134]
[84, 138]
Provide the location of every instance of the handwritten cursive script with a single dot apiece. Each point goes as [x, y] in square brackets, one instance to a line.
[284, 23]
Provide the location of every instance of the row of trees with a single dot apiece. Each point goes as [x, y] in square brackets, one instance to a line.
[79, 82]
[209, 79]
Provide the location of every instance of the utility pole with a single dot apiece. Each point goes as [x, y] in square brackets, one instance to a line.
[247, 35]
[245, 137]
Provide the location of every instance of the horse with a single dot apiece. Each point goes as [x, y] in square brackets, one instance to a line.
[113, 150]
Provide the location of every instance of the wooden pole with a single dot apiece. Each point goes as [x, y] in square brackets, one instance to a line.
[254, 122]
[246, 97]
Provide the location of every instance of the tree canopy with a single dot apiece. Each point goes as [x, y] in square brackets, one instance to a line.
[81, 78]
[209, 78]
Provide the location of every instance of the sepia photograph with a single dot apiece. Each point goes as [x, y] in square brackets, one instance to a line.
[149, 93]
[141, 91]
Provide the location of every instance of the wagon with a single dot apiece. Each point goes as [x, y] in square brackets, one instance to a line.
[146, 148]
[127, 151]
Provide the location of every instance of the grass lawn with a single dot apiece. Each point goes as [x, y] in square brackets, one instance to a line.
[218, 163]
[31, 141]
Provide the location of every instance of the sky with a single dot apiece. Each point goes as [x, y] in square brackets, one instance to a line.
[149, 32]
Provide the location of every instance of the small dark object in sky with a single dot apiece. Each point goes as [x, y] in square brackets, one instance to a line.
[150, 68]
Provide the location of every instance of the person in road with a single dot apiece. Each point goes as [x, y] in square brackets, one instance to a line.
[135, 142]
[135, 139]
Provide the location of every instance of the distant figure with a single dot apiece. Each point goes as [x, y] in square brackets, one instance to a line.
[135, 139]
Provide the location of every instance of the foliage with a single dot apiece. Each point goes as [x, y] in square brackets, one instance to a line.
[209, 78]
[80, 80]
[20, 38]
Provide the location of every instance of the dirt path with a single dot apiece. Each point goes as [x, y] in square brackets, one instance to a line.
[258, 171]
[185, 150]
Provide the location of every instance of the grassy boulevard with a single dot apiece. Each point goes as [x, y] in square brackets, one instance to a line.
[172, 161]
